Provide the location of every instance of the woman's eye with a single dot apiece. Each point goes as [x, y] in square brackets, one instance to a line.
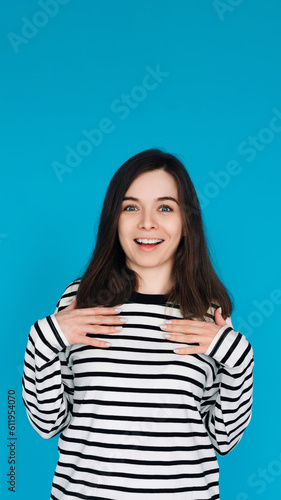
[133, 206]
[166, 206]
[130, 206]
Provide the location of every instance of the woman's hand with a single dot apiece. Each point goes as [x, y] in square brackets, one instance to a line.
[76, 323]
[191, 332]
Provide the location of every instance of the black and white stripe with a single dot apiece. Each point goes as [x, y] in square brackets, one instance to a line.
[137, 420]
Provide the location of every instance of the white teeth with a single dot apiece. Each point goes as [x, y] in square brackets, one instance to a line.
[148, 241]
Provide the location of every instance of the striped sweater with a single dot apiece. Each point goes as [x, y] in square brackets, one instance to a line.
[137, 421]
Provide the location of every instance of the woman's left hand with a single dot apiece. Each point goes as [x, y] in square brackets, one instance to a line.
[191, 332]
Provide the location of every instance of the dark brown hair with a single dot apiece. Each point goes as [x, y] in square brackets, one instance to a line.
[108, 281]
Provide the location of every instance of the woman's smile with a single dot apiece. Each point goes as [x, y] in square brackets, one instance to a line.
[147, 244]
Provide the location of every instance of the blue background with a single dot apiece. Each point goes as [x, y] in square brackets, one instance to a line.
[219, 89]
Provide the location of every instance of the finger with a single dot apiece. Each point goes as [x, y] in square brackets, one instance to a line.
[93, 342]
[190, 350]
[219, 318]
[101, 320]
[100, 329]
[188, 329]
[189, 322]
[184, 339]
[99, 310]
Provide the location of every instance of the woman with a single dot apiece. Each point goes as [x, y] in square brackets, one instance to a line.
[143, 401]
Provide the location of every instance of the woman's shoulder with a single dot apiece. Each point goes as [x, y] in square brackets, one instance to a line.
[210, 315]
[73, 286]
[69, 293]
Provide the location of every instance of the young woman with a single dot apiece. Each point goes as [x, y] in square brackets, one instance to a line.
[145, 400]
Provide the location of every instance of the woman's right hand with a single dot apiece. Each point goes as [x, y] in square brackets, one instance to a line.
[76, 323]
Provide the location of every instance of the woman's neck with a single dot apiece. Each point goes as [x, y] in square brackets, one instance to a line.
[157, 287]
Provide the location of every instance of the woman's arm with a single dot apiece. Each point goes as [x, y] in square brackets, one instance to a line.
[226, 406]
[47, 380]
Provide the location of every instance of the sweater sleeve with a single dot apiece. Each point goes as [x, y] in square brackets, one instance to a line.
[47, 383]
[226, 406]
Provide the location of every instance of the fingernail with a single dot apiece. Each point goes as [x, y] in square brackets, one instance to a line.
[165, 324]
[107, 344]
[117, 309]
[123, 318]
[177, 350]
[119, 328]
[166, 335]
[220, 310]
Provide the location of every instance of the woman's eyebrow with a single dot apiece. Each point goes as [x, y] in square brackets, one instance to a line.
[157, 199]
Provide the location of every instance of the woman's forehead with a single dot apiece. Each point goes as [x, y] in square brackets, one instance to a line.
[155, 183]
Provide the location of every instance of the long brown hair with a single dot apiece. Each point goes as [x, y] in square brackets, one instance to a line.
[108, 281]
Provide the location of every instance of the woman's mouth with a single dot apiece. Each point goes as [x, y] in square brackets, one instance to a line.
[148, 244]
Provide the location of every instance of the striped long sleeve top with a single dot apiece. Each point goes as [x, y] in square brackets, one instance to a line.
[136, 420]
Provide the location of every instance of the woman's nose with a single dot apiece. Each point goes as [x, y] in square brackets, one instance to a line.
[148, 220]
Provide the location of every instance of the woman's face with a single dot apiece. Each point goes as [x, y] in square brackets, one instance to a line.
[145, 216]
